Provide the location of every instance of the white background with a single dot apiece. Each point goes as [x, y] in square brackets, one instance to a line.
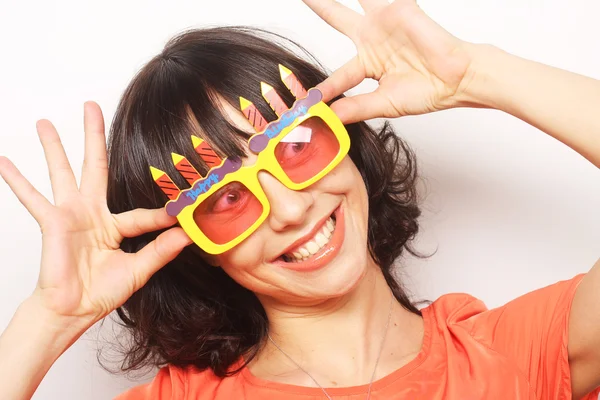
[508, 208]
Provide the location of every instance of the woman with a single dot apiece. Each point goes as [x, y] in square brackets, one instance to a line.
[253, 325]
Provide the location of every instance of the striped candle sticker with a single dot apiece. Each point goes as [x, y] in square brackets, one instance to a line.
[253, 115]
[206, 152]
[292, 83]
[276, 103]
[164, 183]
[185, 168]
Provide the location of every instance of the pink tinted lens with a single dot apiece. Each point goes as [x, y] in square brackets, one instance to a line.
[307, 150]
[228, 213]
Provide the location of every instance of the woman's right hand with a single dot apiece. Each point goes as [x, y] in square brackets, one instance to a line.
[84, 275]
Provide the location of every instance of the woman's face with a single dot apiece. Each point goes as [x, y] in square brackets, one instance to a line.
[325, 225]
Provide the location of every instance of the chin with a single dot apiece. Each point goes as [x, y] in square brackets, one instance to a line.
[344, 277]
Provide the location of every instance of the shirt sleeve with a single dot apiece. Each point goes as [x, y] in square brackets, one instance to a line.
[532, 331]
[162, 387]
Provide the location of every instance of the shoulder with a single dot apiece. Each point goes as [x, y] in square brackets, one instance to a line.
[452, 313]
[176, 383]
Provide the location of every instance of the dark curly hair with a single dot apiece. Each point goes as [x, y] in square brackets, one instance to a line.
[190, 313]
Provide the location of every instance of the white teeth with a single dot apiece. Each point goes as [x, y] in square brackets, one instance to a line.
[330, 224]
[321, 240]
[326, 232]
[312, 247]
[315, 244]
[305, 253]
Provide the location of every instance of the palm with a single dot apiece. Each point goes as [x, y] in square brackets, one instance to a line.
[418, 64]
[81, 257]
[83, 272]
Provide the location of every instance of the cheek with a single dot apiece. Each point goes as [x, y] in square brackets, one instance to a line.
[346, 180]
[343, 179]
[361, 190]
[244, 258]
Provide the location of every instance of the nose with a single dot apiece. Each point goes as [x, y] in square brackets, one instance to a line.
[288, 207]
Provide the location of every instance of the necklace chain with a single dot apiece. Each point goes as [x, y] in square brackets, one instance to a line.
[374, 368]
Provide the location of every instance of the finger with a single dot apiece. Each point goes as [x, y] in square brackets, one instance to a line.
[342, 79]
[370, 5]
[361, 107]
[94, 178]
[157, 253]
[340, 17]
[61, 175]
[34, 201]
[137, 222]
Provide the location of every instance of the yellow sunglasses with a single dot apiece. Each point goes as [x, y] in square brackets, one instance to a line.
[227, 205]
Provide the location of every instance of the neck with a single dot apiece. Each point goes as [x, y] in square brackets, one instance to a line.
[339, 340]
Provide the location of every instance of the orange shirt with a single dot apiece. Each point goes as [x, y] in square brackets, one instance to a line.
[514, 352]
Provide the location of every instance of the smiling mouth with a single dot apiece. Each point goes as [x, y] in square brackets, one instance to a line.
[319, 249]
[313, 245]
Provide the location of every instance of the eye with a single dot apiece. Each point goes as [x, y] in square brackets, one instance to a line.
[290, 150]
[233, 197]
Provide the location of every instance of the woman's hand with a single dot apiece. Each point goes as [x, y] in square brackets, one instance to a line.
[84, 275]
[420, 67]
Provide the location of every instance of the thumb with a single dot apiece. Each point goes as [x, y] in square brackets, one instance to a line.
[157, 253]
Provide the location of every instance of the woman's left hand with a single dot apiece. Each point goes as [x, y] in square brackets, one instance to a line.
[420, 67]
